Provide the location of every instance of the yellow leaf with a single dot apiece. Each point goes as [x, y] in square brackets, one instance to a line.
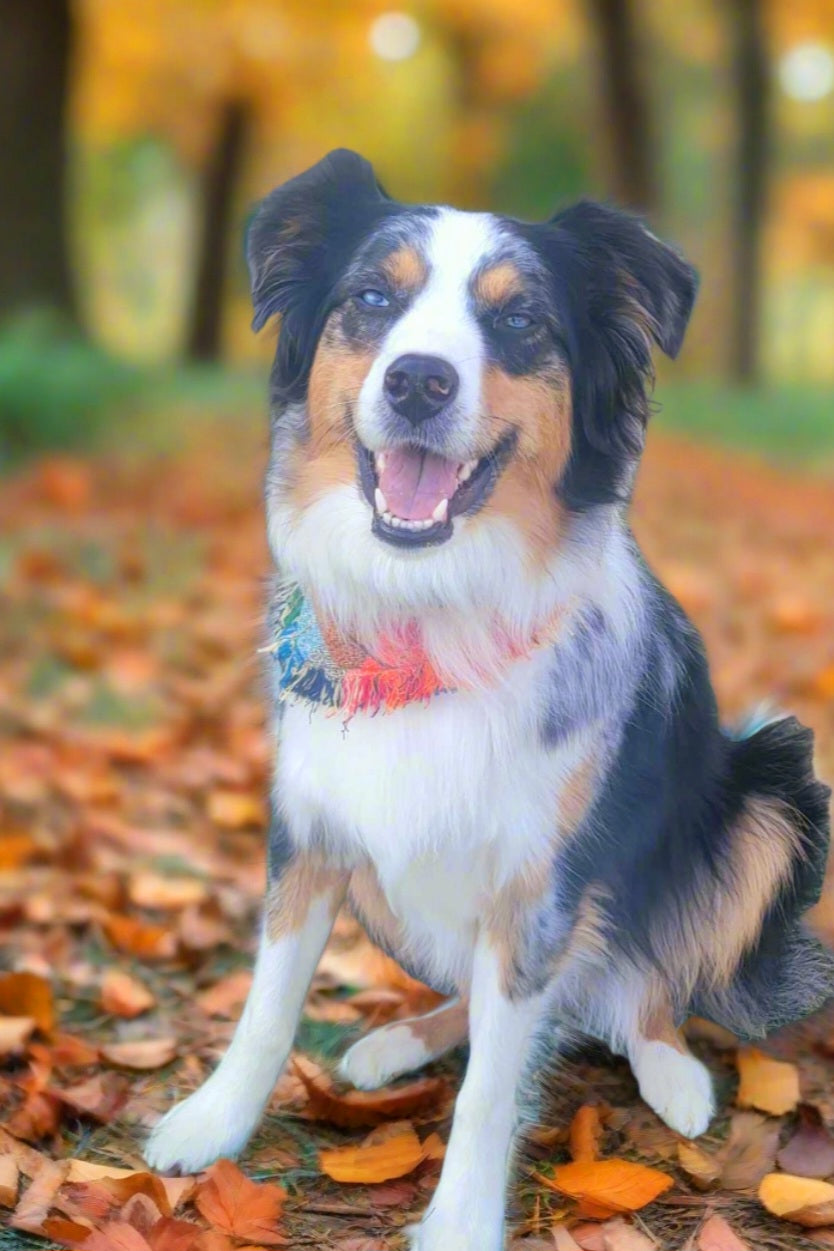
[373, 1162]
[612, 1185]
[769, 1085]
[803, 1200]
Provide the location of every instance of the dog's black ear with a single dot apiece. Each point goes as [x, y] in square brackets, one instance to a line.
[300, 240]
[629, 268]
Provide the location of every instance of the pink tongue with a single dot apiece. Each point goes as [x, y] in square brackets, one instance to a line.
[414, 483]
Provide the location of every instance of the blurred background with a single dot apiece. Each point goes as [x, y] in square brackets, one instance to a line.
[135, 138]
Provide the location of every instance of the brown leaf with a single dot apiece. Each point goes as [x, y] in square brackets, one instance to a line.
[37, 1117]
[240, 1207]
[36, 1201]
[117, 1236]
[750, 1151]
[9, 1181]
[15, 1032]
[68, 1233]
[235, 810]
[810, 1151]
[716, 1235]
[359, 1108]
[135, 938]
[803, 1200]
[609, 1186]
[770, 1085]
[66, 1051]
[26, 994]
[170, 1234]
[618, 1235]
[155, 890]
[379, 1161]
[100, 1098]
[226, 996]
[125, 996]
[148, 1053]
[563, 1240]
[585, 1133]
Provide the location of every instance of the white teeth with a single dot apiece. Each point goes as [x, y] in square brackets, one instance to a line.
[465, 472]
[441, 512]
[401, 523]
[381, 502]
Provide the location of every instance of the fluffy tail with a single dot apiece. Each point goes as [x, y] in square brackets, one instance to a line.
[788, 973]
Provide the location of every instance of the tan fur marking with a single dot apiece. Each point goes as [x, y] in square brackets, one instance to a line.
[657, 1023]
[506, 923]
[576, 795]
[326, 460]
[442, 1029]
[725, 918]
[496, 285]
[540, 410]
[288, 899]
[367, 899]
[405, 269]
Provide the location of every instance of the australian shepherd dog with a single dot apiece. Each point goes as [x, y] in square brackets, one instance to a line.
[496, 737]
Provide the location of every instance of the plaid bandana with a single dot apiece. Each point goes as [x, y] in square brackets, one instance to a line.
[319, 665]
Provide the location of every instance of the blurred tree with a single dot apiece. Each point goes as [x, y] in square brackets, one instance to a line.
[218, 180]
[35, 47]
[751, 82]
[626, 106]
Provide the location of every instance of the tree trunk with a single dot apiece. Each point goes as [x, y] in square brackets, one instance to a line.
[35, 48]
[216, 205]
[626, 108]
[750, 76]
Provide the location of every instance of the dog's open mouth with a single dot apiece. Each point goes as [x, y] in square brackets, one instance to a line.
[415, 494]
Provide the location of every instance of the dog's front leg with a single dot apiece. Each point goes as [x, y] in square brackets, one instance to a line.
[467, 1211]
[302, 899]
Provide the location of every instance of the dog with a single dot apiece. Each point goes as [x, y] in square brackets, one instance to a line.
[496, 736]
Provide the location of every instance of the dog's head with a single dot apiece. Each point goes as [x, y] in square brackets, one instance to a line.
[448, 385]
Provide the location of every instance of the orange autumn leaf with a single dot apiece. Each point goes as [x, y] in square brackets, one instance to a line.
[34, 1205]
[375, 1161]
[608, 1186]
[240, 1207]
[802, 1200]
[9, 1180]
[770, 1085]
[123, 995]
[235, 810]
[135, 938]
[149, 1053]
[585, 1132]
[358, 1109]
[26, 994]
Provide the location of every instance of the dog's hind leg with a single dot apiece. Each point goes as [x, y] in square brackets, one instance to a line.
[220, 1117]
[672, 1081]
[404, 1046]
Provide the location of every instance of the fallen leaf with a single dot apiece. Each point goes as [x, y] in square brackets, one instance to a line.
[240, 1207]
[99, 1098]
[36, 1201]
[611, 1186]
[27, 995]
[117, 1236]
[135, 938]
[360, 1108]
[585, 1133]
[749, 1152]
[803, 1200]
[770, 1085]
[87, 1171]
[66, 1051]
[9, 1181]
[125, 996]
[716, 1235]
[618, 1235]
[226, 996]
[153, 890]
[15, 1031]
[37, 1117]
[810, 1150]
[563, 1240]
[67, 1232]
[149, 1053]
[701, 1168]
[372, 1162]
[234, 810]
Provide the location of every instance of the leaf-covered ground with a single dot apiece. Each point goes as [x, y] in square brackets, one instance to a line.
[133, 768]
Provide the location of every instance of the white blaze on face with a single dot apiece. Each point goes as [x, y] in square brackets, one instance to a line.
[441, 323]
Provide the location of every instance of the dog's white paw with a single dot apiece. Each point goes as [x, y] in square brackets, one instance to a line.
[198, 1131]
[676, 1086]
[383, 1055]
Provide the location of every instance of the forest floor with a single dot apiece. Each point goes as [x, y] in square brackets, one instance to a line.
[133, 772]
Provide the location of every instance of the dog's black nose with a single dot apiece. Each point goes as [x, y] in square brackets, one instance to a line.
[418, 387]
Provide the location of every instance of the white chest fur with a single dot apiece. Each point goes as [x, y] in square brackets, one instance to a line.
[448, 800]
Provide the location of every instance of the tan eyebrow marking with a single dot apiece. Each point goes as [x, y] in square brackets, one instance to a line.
[498, 283]
[405, 268]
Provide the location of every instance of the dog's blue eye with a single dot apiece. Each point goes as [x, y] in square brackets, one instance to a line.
[517, 321]
[374, 298]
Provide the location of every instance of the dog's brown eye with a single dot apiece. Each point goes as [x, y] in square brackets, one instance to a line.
[516, 321]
